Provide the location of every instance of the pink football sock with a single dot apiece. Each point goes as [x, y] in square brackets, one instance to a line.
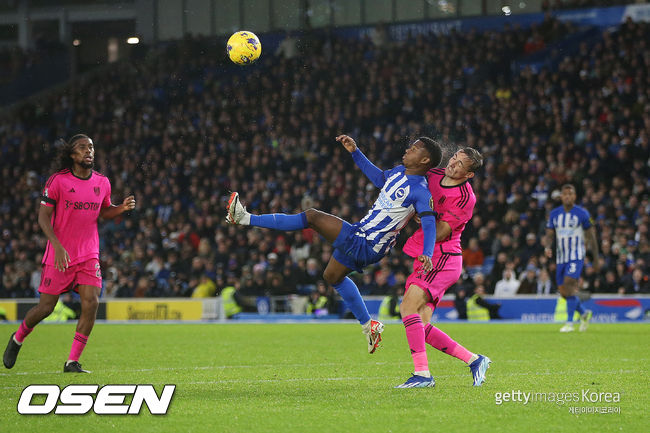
[415, 338]
[78, 345]
[23, 331]
[444, 343]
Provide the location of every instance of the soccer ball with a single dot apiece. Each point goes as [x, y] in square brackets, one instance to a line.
[244, 48]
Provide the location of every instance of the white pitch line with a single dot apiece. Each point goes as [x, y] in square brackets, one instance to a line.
[261, 366]
[321, 379]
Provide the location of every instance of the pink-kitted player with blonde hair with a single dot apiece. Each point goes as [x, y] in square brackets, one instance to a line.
[453, 202]
[73, 198]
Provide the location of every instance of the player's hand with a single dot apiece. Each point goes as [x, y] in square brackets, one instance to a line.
[596, 264]
[61, 258]
[417, 219]
[129, 203]
[347, 142]
[426, 262]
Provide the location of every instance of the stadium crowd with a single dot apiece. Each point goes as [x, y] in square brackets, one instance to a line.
[180, 129]
[548, 5]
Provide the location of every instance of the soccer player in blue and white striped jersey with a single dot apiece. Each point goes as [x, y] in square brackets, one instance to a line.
[572, 228]
[404, 192]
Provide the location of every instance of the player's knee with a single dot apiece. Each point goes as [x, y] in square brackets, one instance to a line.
[90, 303]
[408, 307]
[332, 277]
[311, 214]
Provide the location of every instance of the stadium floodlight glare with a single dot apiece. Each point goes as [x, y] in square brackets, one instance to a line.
[133, 40]
[506, 10]
[76, 42]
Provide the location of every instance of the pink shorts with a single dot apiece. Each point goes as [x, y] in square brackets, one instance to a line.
[55, 282]
[446, 271]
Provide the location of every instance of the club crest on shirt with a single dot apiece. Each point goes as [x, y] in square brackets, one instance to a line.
[96, 189]
[442, 200]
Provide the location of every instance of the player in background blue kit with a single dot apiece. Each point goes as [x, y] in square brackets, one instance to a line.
[573, 228]
[404, 192]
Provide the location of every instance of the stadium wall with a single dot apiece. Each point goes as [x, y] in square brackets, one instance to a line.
[523, 308]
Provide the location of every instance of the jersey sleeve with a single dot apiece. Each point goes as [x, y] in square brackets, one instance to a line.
[423, 202]
[106, 202]
[51, 192]
[587, 222]
[549, 222]
[376, 175]
[424, 208]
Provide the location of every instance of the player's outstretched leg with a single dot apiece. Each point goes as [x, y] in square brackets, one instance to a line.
[478, 364]
[237, 214]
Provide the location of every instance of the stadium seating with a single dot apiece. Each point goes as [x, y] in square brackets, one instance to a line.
[180, 128]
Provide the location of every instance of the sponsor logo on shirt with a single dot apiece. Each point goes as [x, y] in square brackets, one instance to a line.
[81, 205]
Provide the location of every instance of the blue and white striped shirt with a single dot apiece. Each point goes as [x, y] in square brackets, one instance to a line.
[400, 197]
[569, 232]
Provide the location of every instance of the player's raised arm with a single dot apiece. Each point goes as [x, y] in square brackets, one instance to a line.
[112, 211]
[376, 175]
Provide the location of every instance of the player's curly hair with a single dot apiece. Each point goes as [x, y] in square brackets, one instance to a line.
[63, 160]
[433, 148]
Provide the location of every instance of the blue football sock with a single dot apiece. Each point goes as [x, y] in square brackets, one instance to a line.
[579, 308]
[280, 221]
[352, 298]
[571, 304]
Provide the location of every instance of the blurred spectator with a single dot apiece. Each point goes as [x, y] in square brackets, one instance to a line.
[507, 286]
[528, 284]
[205, 289]
[389, 307]
[480, 309]
[636, 284]
[321, 301]
[544, 283]
[472, 255]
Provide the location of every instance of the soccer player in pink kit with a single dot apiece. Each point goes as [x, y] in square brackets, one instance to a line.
[73, 198]
[453, 201]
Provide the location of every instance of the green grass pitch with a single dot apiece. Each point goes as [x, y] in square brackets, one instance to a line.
[319, 378]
